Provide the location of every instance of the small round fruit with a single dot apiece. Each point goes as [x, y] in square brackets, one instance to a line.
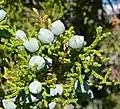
[37, 60]
[45, 36]
[35, 87]
[87, 58]
[52, 105]
[59, 89]
[20, 34]
[2, 15]
[57, 27]
[31, 45]
[53, 92]
[8, 104]
[76, 42]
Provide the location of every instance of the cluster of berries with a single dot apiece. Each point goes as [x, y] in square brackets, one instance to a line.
[45, 36]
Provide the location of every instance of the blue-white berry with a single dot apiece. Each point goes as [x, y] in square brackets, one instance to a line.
[20, 34]
[31, 45]
[45, 36]
[37, 60]
[2, 15]
[87, 58]
[53, 92]
[76, 42]
[33, 98]
[8, 104]
[57, 27]
[35, 87]
[56, 91]
[52, 105]
[59, 89]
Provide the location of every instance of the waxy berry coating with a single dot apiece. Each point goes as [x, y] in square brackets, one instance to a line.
[37, 60]
[8, 104]
[57, 27]
[35, 87]
[2, 15]
[20, 34]
[45, 36]
[76, 42]
[31, 45]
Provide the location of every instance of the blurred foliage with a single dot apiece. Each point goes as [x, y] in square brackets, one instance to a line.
[85, 16]
[21, 13]
[111, 48]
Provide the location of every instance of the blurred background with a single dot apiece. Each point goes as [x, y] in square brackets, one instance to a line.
[85, 16]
